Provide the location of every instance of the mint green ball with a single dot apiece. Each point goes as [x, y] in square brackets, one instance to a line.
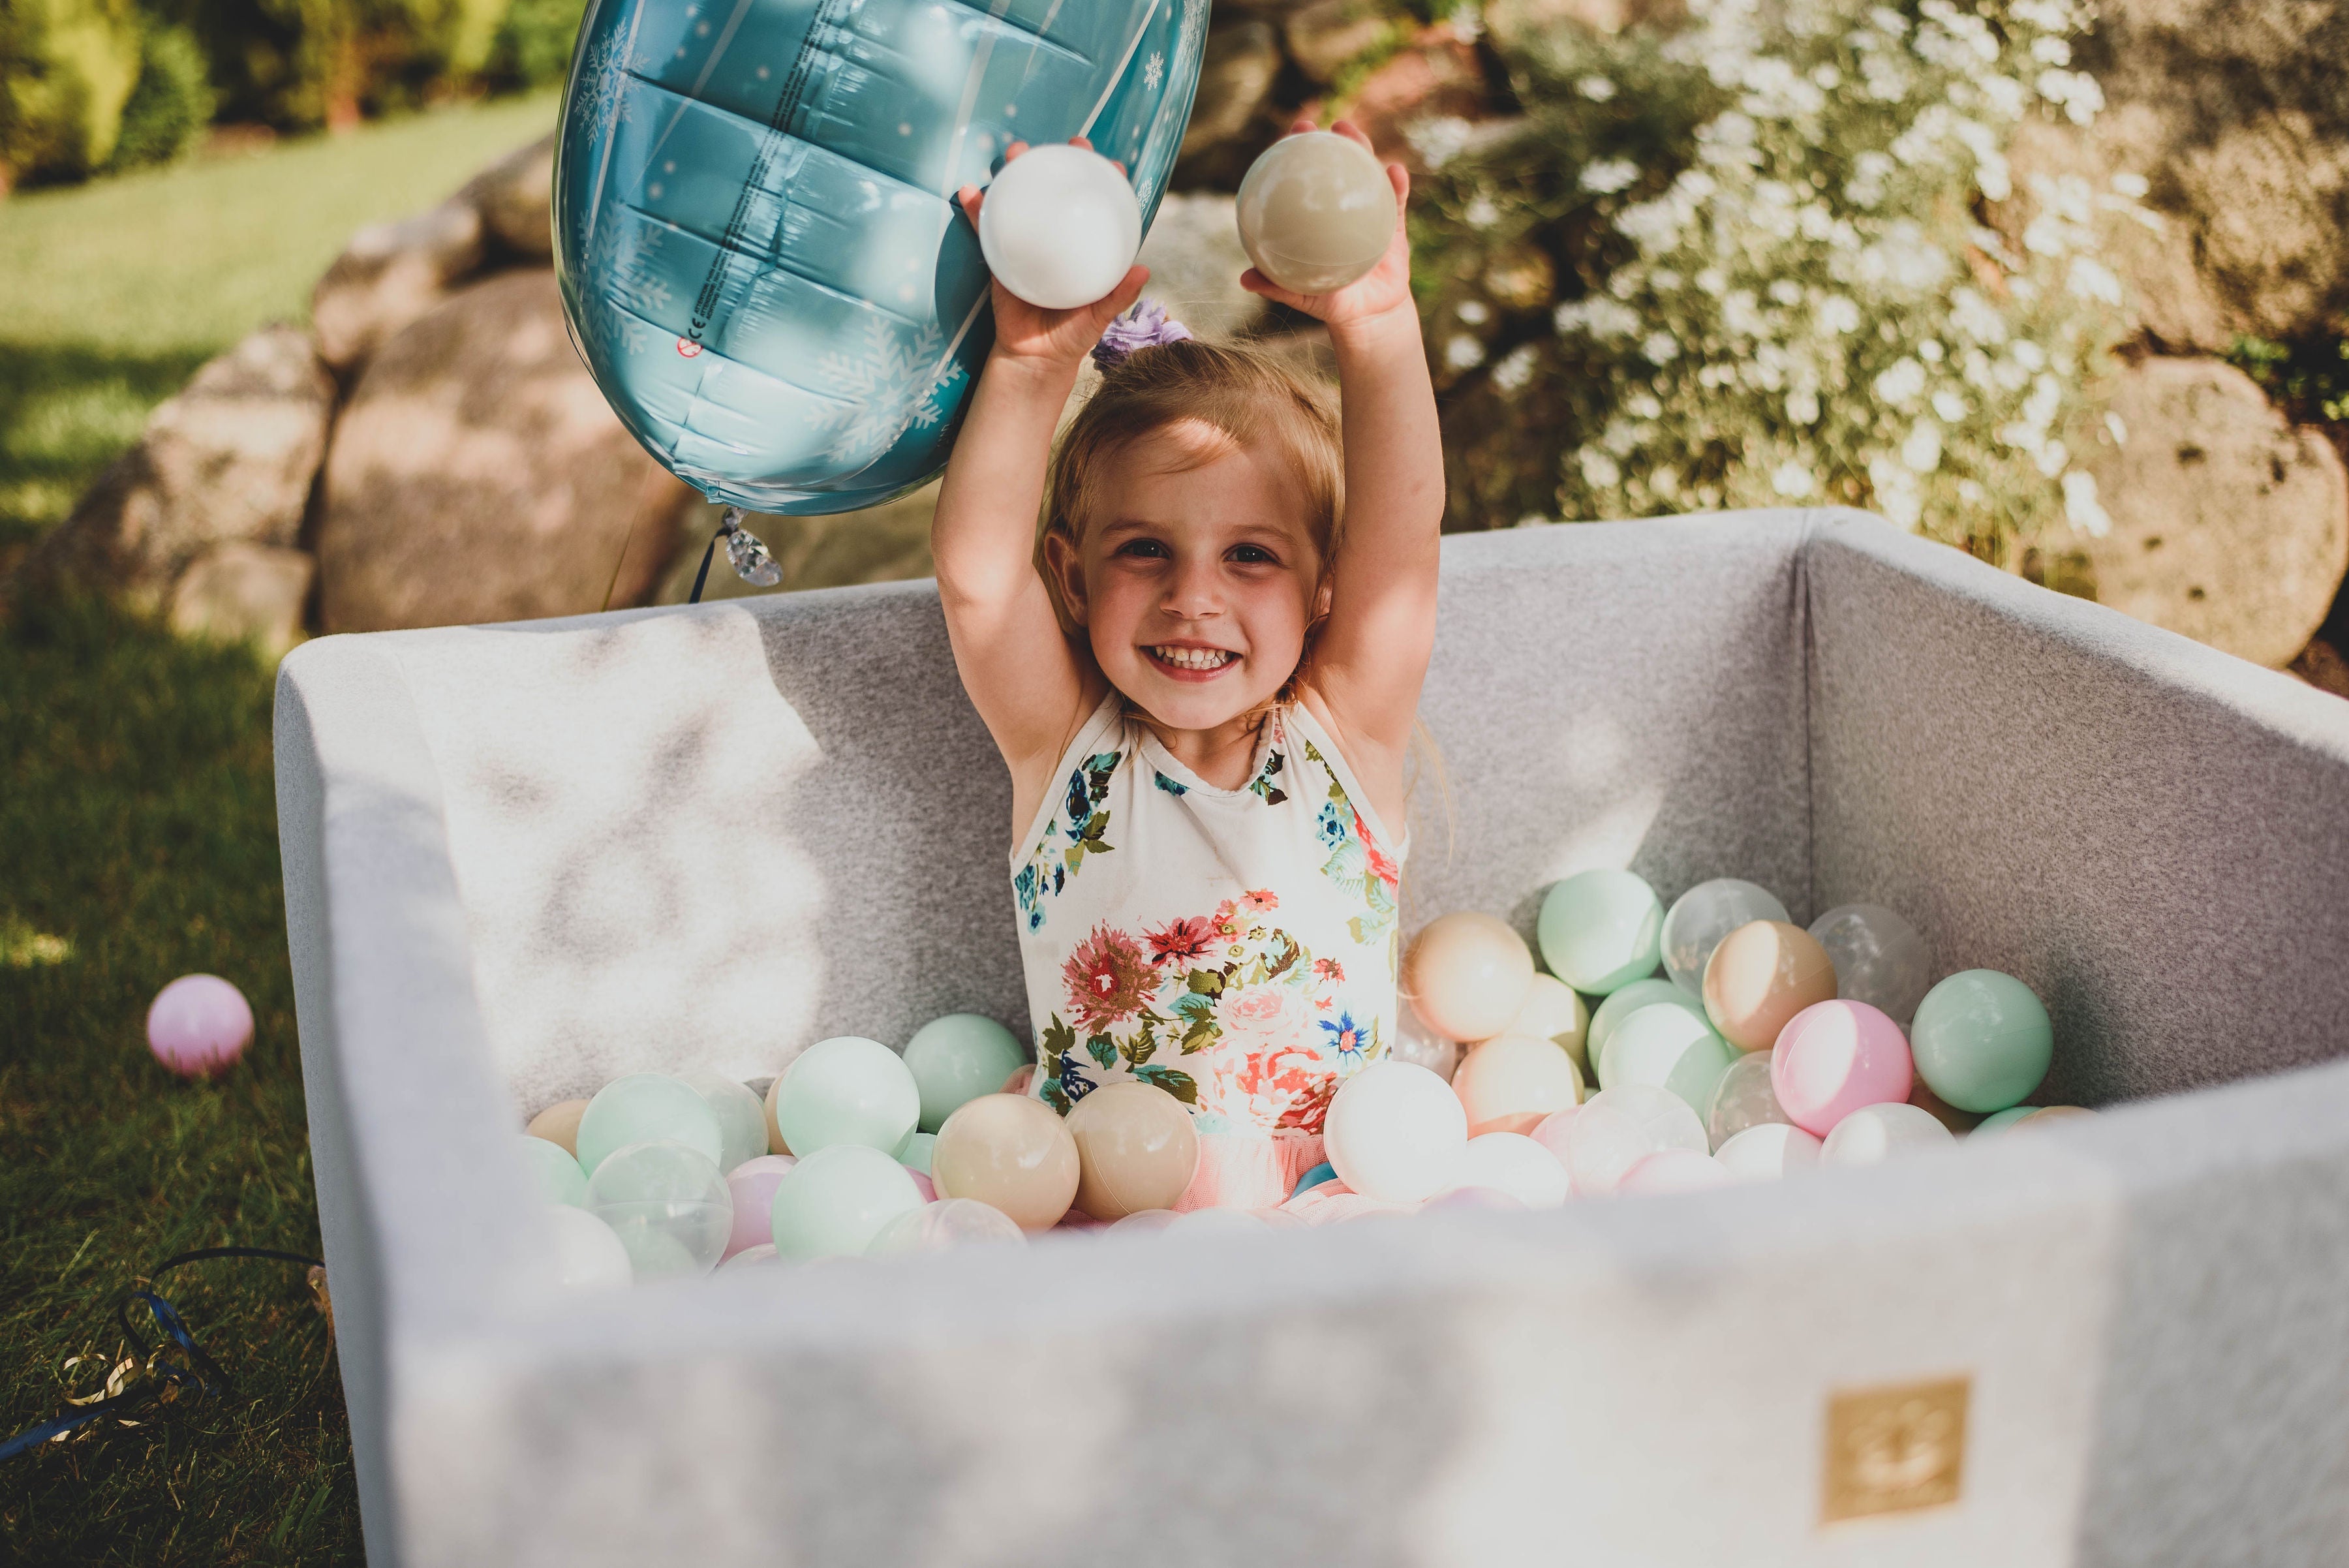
[956, 1058]
[668, 1205]
[1981, 1040]
[648, 1107]
[1669, 1047]
[834, 1202]
[1640, 993]
[558, 1174]
[1601, 931]
[915, 1155]
[1999, 1121]
[847, 1089]
[742, 1114]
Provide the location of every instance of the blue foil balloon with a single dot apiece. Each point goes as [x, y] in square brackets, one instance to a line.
[754, 218]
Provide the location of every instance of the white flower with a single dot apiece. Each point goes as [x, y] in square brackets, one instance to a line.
[1598, 317]
[2116, 428]
[1599, 471]
[2091, 279]
[1596, 88]
[1464, 352]
[1473, 311]
[2133, 186]
[1950, 406]
[1609, 175]
[1900, 385]
[1897, 495]
[1922, 450]
[1837, 316]
[1480, 212]
[1785, 291]
[1658, 348]
[2052, 458]
[2081, 507]
[1930, 351]
[1439, 138]
[1792, 480]
[1515, 369]
[1803, 406]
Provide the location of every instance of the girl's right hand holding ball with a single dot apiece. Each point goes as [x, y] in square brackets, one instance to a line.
[1039, 338]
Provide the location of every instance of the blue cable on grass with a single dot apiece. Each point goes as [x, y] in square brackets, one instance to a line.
[199, 1375]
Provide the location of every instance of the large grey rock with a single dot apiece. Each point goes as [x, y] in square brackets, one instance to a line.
[390, 275]
[245, 592]
[229, 460]
[2228, 525]
[515, 199]
[1327, 35]
[1195, 259]
[478, 474]
[1228, 119]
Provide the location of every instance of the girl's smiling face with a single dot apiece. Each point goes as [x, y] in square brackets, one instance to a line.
[1197, 580]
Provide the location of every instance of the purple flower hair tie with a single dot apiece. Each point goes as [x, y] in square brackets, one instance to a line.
[1145, 326]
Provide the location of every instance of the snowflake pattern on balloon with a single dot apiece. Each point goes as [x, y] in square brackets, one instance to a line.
[1154, 70]
[604, 102]
[898, 383]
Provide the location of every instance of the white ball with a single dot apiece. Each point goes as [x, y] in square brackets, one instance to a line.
[1516, 1164]
[1670, 1170]
[1059, 226]
[1395, 1132]
[1874, 1133]
[1616, 1129]
[1767, 1151]
[588, 1254]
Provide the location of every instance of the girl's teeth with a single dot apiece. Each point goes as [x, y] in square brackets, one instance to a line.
[1194, 658]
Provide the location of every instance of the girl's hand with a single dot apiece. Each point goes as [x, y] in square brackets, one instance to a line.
[1385, 287]
[1052, 338]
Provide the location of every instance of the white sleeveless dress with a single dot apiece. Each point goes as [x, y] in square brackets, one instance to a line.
[1236, 948]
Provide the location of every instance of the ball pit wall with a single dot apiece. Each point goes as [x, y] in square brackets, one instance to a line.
[778, 820]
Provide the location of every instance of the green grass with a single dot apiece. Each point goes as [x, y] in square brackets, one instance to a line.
[115, 292]
[138, 842]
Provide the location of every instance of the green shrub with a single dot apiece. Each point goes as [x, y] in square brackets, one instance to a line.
[533, 43]
[168, 110]
[66, 69]
[1746, 264]
[295, 64]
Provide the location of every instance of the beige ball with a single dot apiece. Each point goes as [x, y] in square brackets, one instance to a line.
[1316, 212]
[1011, 1153]
[1136, 1150]
[1467, 974]
[775, 1144]
[559, 1124]
[1761, 975]
[1553, 1012]
[1511, 1084]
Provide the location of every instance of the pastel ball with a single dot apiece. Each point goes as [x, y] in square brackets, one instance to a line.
[1834, 1057]
[1630, 999]
[1874, 1133]
[1982, 1040]
[1744, 1099]
[847, 1090]
[588, 1255]
[1669, 1047]
[1554, 1011]
[957, 1059]
[742, 1119]
[833, 1202]
[648, 1107]
[1999, 1121]
[1670, 1170]
[1768, 1151]
[1467, 974]
[1136, 1150]
[1707, 912]
[1601, 931]
[1510, 1084]
[1314, 1177]
[1394, 1132]
[1420, 1047]
[1878, 958]
[1010, 1152]
[1761, 975]
[752, 1187]
[1316, 212]
[1059, 226]
[948, 1223]
[1515, 1164]
[199, 1025]
[915, 1155]
[557, 1174]
[761, 1256]
[1616, 1129]
[668, 1205]
[559, 1124]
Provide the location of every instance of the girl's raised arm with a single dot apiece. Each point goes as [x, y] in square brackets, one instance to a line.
[1026, 680]
[1372, 654]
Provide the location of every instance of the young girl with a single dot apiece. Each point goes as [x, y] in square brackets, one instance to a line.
[1204, 682]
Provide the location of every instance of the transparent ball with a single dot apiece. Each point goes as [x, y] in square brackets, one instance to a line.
[1669, 1170]
[648, 1107]
[1874, 1133]
[742, 1119]
[1420, 1047]
[559, 1177]
[952, 1222]
[1218, 1222]
[1618, 1128]
[1880, 958]
[752, 1186]
[1768, 1151]
[588, 1255]
[764, 1254]
[667, 1204]
[1744, 1098]
[1707, 912]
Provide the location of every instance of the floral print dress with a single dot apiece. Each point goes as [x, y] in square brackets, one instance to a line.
[1236, 948]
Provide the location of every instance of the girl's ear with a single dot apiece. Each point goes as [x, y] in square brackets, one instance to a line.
[1321, 598]
[1068, 572]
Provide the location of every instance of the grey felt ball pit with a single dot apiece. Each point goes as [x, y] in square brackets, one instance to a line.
[520, 860]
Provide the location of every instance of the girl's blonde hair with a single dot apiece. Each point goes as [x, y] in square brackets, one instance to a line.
[1244, 395]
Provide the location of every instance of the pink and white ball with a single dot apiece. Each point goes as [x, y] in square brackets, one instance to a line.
[199, 1025]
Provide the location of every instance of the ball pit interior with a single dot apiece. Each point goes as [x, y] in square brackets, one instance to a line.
[522, 861]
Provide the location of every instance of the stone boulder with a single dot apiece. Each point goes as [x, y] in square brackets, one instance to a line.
[1233, 115]
[245, 592]
[1195, 259]
[1327, 35]
[229, 460]
[477, 474]
[2228, 525]
[515, 197]
[390, 275]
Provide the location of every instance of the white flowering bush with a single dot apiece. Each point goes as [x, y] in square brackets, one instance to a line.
[1768, 232]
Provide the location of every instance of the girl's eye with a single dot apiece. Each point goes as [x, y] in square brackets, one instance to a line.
[1252, 555]
[1143, 549]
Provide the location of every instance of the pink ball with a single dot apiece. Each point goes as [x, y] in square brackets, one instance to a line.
[923, 1185]
[199, 1025]
[1834, 1057]
[752, 1184]
[1673, 1170]
[1550, 1131]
